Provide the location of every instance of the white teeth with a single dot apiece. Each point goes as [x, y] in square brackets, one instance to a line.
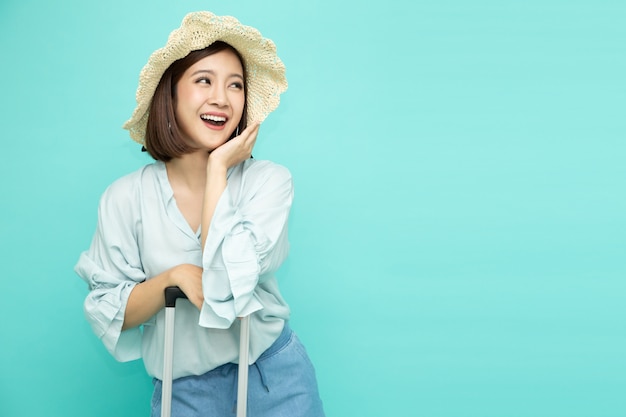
[212, 118]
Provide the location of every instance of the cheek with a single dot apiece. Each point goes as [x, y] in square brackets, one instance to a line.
[240, 103]
[186, 105]
[187, 95]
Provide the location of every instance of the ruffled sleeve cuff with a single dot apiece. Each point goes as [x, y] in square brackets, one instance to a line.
[231, 269]
[104, 309]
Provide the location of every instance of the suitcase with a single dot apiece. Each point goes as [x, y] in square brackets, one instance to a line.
[171, 295]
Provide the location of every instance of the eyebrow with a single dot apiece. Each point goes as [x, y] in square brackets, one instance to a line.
[213, 73]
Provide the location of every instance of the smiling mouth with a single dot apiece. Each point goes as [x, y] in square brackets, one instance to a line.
[213, 120]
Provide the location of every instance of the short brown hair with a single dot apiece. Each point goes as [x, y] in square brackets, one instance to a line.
[164, 139]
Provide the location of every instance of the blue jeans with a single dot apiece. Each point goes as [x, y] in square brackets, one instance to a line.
[281, 383]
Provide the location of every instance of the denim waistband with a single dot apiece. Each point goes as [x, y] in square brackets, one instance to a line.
[279, 344]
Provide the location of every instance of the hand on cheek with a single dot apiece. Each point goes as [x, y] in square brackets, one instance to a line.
[236, 150]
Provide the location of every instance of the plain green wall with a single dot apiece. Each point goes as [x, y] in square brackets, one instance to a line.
[458, 236]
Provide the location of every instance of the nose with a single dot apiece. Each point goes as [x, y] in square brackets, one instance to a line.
[217, 96]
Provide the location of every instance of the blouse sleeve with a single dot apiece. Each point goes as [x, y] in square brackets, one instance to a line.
[112, 267]
[247, 242]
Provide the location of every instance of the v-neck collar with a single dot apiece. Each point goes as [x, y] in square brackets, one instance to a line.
[169, 201]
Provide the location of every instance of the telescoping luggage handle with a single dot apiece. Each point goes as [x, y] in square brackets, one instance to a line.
[171, 295]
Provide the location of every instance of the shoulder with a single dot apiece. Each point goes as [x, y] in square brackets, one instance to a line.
[264, 170]
[257, 178]
[126, 190]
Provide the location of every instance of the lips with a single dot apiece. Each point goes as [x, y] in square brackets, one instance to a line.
[214, 120]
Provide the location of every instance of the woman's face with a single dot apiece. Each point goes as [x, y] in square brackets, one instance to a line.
[209, 101]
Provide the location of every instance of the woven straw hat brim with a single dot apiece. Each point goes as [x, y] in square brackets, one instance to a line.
[264, 69]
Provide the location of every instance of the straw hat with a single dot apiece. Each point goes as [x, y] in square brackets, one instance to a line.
[265, 71]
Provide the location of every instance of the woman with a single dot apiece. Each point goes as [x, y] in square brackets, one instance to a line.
[205, 217]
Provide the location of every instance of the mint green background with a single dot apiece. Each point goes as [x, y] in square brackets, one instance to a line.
[458, 236]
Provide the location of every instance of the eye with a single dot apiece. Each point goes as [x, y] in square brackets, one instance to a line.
[203, 80]
[237, 85]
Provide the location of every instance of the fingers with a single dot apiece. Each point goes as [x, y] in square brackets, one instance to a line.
[252, 128]
[193, 290]
[235, 150]
[194, 296]
[197, 301]
[189, 278]
[250, 132]
[241, 146]
[249, 135]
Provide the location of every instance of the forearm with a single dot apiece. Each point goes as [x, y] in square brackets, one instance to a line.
[229, 154]
[146, 299]
[215, 186]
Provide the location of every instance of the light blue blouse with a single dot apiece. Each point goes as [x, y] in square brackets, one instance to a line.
[141, 233]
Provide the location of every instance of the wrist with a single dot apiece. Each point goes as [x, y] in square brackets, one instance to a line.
[216, 167]
[171, 277]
